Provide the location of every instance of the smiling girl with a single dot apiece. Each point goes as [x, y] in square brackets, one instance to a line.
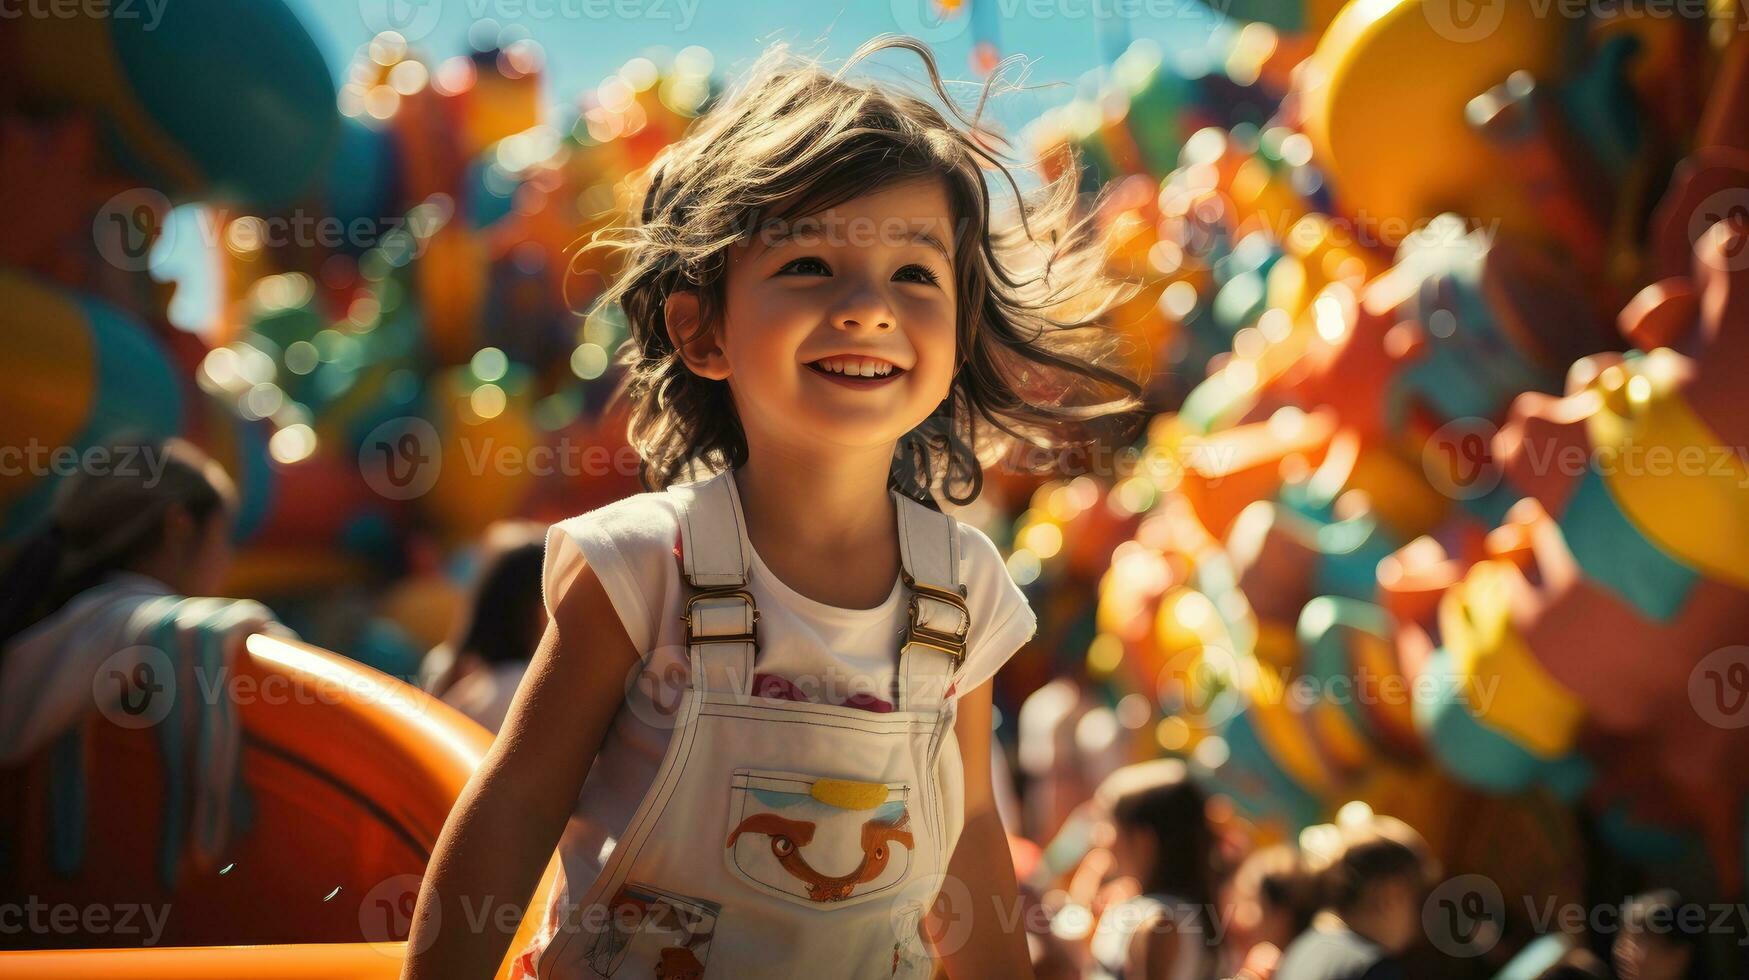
[758, 727]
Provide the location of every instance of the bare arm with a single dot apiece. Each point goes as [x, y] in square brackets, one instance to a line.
[502, 830]
[1154, 950]
[986, 939]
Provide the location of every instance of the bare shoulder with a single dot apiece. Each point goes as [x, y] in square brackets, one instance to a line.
[574, 684]
[1154, 945]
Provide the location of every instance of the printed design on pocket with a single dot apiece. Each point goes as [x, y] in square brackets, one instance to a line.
[825, 844]
[668, 935]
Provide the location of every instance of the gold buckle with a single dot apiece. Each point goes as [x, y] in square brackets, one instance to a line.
[721, 592]
[953, 644]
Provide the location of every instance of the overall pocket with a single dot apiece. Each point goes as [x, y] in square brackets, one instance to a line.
[819, 841]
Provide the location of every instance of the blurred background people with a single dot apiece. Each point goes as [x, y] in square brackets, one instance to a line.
[1154, 906]
[1661, 938]
[1269, 901]
[110, 599]
[1372, 880]
[478, 668]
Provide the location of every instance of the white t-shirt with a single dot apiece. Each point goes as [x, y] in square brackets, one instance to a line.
[829, 654]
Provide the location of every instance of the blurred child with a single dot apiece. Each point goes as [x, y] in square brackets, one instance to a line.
[1162, 857]
[478, 668]
[1270, 901]
[1373, 875]
[106, 599]
[1660, 939]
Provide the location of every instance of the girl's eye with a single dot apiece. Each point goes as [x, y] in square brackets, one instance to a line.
[925, 273]
[806, 262]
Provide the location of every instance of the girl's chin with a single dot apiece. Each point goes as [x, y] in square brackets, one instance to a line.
[839, 431]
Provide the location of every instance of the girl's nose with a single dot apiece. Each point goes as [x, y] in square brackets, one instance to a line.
[864, 309]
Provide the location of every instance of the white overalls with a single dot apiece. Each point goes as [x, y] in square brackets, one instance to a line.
[784, 838]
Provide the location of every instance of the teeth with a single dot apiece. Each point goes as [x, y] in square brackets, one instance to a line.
[856, 367]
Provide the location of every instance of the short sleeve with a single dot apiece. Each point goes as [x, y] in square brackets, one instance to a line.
[1002, 619]
[630, 545]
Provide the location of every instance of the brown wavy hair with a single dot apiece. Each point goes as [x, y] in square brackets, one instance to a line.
[1035, 362]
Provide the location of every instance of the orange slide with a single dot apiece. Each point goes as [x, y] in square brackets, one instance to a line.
[351, 775]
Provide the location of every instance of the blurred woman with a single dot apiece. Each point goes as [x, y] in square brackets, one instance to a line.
[1162, 863]
[478, 668]
[104, 607]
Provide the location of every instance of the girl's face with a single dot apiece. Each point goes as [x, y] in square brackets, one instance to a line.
[840, 327]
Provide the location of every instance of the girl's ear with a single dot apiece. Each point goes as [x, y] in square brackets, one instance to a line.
[701, 349]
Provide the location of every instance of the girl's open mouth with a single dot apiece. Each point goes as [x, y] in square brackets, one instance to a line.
[856, 372]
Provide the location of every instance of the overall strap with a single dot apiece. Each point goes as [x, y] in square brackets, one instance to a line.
[720, 614]
[935, 642]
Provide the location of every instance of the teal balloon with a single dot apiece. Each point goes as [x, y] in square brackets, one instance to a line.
[1156, 119]
[1255, 782]
[239, 87]
[1613, 552]
[255, 477]
[1287, 16]
[1324, 630]
[1638, 840]
[136, 391]
[487, 192]
[385, 646]
[1479, 755]
[362, 185]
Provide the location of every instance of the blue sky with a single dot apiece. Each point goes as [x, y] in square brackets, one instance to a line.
[586, 40]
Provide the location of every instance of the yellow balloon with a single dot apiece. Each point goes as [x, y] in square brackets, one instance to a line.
[49, 390]
[488, 463]
[1386, 91]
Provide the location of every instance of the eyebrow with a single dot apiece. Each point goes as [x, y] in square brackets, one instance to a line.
[925, 238]
[917, 238]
